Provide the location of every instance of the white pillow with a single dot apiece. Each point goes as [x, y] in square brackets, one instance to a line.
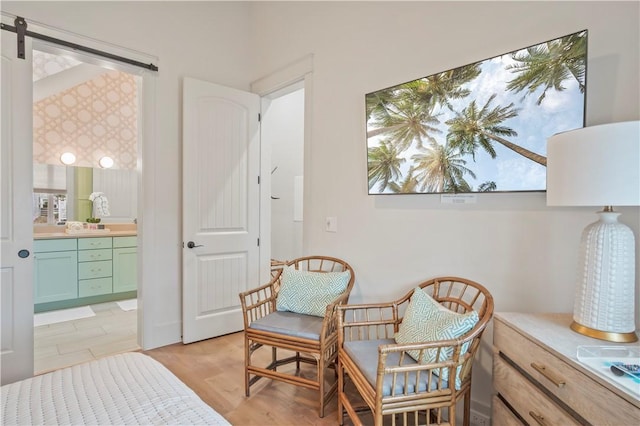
[309, 293]
[426, 320]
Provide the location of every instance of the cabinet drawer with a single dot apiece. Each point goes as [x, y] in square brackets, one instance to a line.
[93, 255]
[63, 244]
[125, 242]
[94, 243]
[98, 269]
[525, 398]
[94, 287]
[565, 382]
[501, 414]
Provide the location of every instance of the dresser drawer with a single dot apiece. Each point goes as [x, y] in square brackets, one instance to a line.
[63, 244]
[569, 385]
[532, 405]
[93, 255]
[95, 287]
[94, 243]
[501, 415]
[100, 269]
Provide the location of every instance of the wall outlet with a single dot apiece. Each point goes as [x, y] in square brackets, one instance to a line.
[478, 419]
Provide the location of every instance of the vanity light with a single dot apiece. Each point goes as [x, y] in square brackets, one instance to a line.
[68, 158]
[106, 162]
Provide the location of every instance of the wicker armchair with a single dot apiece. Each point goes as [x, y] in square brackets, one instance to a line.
[385, 380]
[300, 338]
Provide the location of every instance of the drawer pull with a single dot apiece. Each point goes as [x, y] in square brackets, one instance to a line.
[538, 418]
[559, 382]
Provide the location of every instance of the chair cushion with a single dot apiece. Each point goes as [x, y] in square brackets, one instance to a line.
[426, 320]
[290, 324]
[364, 354]
[309, 293]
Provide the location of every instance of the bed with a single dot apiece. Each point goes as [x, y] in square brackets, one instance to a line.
[125, 389]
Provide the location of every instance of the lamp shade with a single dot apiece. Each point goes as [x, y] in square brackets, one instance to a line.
[595, 166]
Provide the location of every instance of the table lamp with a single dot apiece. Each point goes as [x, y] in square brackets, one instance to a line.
[600, 166]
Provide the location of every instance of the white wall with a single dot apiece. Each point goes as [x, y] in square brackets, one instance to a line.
[523, 251]
[283, 130]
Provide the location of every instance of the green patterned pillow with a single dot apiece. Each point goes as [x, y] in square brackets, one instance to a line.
[426, 320]
[309, 293]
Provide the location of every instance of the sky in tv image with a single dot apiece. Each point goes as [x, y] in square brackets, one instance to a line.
[480, 127]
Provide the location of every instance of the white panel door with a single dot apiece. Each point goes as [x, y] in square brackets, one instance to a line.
[16, 227]
[221, 163]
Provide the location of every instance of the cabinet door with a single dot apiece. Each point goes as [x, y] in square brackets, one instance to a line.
[125, 269]
[55, 276]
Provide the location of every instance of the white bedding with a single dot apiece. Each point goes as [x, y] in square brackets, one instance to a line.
[125, 389]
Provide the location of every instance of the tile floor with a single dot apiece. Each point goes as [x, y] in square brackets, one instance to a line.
[110, 331]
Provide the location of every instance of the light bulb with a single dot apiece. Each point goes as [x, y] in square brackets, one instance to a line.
[68, 158]
[106, 162]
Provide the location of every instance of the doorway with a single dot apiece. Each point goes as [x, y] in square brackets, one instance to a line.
[291, 78]
[283, 131]
[86, 113]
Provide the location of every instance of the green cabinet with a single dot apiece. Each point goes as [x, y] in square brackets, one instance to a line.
[55, 270]
[79, 271]
[125, 264]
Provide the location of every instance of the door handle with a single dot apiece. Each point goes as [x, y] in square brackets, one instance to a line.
[23, 254]
[191, 244]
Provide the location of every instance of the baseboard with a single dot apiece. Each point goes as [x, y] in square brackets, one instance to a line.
[480, 414]
[479, 419]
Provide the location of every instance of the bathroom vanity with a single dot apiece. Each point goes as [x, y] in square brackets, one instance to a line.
[81, 269]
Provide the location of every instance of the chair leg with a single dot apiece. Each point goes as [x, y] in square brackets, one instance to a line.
[467, 409]
[274, 357]
[452, 414]
[377, 418]
[247, 363]
[320, 376]
[340, 373]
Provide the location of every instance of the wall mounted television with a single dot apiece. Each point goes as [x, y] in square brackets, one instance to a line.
[481, 127]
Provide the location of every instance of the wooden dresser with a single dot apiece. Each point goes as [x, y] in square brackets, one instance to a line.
[538, 380]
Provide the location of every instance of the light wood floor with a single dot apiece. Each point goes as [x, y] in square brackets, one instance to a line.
[214, 370]
[110, 331]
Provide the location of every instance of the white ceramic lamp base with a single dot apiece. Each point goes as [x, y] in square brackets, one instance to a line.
[605, 302]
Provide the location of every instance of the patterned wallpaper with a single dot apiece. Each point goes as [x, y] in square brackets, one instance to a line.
[46, 64]
[93, 119]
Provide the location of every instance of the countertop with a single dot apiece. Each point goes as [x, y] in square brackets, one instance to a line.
[50, 235]
[47, 232]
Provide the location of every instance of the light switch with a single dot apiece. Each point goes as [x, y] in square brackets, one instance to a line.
[331, 224]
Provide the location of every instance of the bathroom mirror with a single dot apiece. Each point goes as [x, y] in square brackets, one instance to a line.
[61, 193]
